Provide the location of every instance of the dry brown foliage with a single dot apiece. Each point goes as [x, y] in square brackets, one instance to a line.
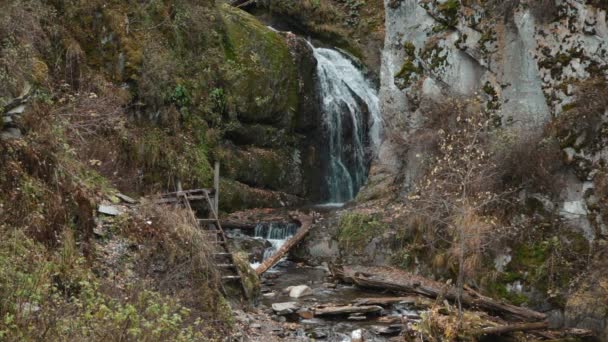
[176, 245]
[529, 160]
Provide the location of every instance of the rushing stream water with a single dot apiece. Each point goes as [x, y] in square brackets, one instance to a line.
[352, 121]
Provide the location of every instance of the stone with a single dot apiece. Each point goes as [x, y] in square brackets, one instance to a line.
[357, 335]
[329, 285]
[390, 330]
[255, 326]
[319, 333]
[11, 133]
[300, 291]
[108, 210]
[269, 295]
[305, 313]
[17, 110]
[285, 308]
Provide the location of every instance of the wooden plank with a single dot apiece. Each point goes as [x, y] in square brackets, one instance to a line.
[306, 223]
[216, 186]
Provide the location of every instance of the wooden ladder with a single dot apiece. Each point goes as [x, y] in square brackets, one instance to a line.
[223, 257]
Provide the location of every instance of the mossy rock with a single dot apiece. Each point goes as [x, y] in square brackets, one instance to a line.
[236, 196]
[251, 281]
[356, 230]
[263, 76]
[259, 135]
[273, 169]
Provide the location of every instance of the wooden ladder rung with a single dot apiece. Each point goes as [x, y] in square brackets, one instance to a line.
[231, 277]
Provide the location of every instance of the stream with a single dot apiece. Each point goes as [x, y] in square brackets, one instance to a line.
[324, 291]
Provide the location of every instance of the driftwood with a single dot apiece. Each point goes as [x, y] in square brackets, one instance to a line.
[385, 301]
[345, 310]
[504, 329]
[306, 223]
[387, 278]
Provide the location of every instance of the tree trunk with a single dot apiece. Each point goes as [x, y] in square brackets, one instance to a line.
[306, 224]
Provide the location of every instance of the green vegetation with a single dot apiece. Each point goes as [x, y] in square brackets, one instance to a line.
[410, 70]
[449, 11]
[356, 230]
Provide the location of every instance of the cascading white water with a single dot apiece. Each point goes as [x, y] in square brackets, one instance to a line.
[276, 234]
[344, 91]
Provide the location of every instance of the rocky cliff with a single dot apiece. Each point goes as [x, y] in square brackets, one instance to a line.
[534, 69]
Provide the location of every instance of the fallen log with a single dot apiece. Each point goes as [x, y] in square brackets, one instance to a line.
[345, 310]
[306, 223]
[387, 278]
[505, 329]
[385, 301]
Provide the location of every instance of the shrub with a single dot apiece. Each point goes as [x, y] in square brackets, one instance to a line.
[528, 160]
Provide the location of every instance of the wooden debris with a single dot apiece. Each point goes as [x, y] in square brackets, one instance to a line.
[346, 310]
[504, 329]
[126, 198]
[306, 223]
[386, 301]
[387, 278]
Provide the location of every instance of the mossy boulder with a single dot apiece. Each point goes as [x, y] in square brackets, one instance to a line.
[274, 169]
[262, 74]
[236, 196]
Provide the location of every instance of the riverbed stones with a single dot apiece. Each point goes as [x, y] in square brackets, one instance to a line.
[306, 314]
[285, 308]
[300, 291]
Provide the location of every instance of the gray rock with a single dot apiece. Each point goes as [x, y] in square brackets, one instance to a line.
[285, 308]
[17, 110]
[300, 291]
[108, 210]
[11, 133]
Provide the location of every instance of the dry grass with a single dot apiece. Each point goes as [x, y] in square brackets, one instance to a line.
[171, 234]
[528, 160]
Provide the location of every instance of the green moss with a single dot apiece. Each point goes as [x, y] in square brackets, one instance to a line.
[487, 37]
[449, 11]
[250, 279]
[356, 230]
[259, 57]
[409, 70]
[432, 56]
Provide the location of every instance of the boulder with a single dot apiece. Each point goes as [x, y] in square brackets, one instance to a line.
[300, 291]
[285, 308]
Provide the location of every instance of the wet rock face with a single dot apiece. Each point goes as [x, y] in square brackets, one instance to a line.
[272, 143]
[521, 61]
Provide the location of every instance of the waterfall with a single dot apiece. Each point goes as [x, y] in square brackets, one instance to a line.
[275, 233]
[352, 121]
